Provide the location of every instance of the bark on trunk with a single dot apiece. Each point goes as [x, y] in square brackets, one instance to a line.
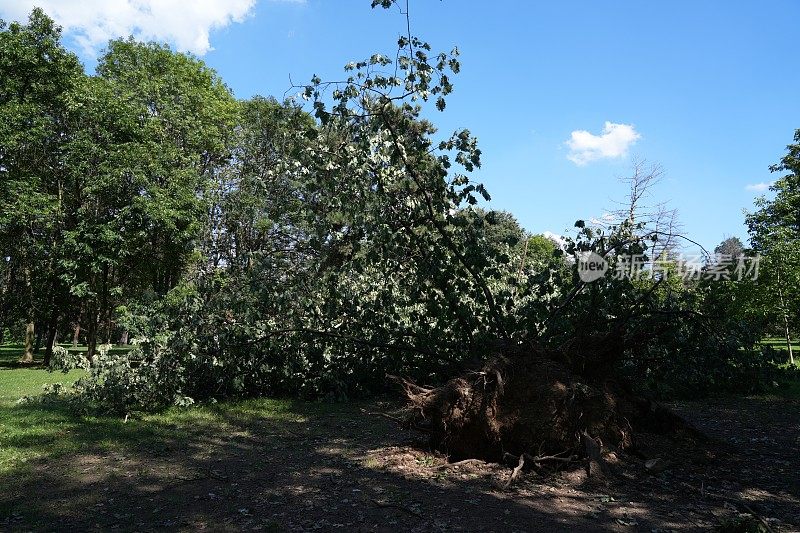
[104, 316]
[37, 345]
[76, 335]
[123, 339]
[52, 337]
[3, 307]
[788, 340]
[91, 338]
[30, 333]
[785, 314]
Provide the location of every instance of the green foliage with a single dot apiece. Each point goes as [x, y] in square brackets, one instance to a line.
[122, 383]
[64, 360]
[262, 247]
[36, 77]
[775, 234]
[776, 218]
[731, 247]
[104, 178]
[149, 132]
[336, 251]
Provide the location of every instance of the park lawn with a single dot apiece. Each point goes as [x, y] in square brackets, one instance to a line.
[28, 431]
[35, 430]
[779, 344]
[791, 389]
[10, 354]
[265, 464]
[51, 429]
[49, 439]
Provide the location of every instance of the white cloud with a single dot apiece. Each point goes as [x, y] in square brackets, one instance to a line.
[558, 239]
[604, 220]
[612, 143]
[759, 187]
[92, 23]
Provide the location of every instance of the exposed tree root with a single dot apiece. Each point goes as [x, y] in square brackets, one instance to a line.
[516, 472]
[530, 403]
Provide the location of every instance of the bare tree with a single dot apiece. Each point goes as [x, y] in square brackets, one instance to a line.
[643, 214]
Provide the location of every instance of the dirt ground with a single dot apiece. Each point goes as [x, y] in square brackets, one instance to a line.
[347, 471]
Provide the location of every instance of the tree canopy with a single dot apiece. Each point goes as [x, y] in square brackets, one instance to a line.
[316, 245]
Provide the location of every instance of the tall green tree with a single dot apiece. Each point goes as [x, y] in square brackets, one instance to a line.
[37, 76]
[149, 133]
[775, 233]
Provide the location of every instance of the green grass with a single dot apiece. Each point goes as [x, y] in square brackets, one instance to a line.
[27, 431]
[780, 344]
[789, 386]
[10, 354]
[35, 430]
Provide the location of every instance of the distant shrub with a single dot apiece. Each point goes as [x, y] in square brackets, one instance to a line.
[121, 383]
[63, 360]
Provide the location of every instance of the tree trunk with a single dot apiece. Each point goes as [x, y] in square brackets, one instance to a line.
[788, 340]
[4, 283]
[30, 332]
[123, 339]
[785, 314]
[52, 337]
[91, 340]
[76, 335]
[104, 317]
[37, 345]
[787, 336]
[91, 333]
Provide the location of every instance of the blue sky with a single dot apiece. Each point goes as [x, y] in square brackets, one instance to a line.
[708, 89]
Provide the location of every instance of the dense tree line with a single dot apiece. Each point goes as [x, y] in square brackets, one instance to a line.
[104, 177]
[264, 247]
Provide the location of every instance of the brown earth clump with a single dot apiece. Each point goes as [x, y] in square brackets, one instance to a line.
[534, 403]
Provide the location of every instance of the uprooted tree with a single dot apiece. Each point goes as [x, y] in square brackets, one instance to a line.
[549, 351]
[338, 245]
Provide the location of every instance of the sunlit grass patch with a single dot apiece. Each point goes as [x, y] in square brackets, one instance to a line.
[52, 429]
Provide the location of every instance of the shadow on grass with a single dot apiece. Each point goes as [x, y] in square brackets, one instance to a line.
[261, 464]
[10, 355]
[270, 465]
